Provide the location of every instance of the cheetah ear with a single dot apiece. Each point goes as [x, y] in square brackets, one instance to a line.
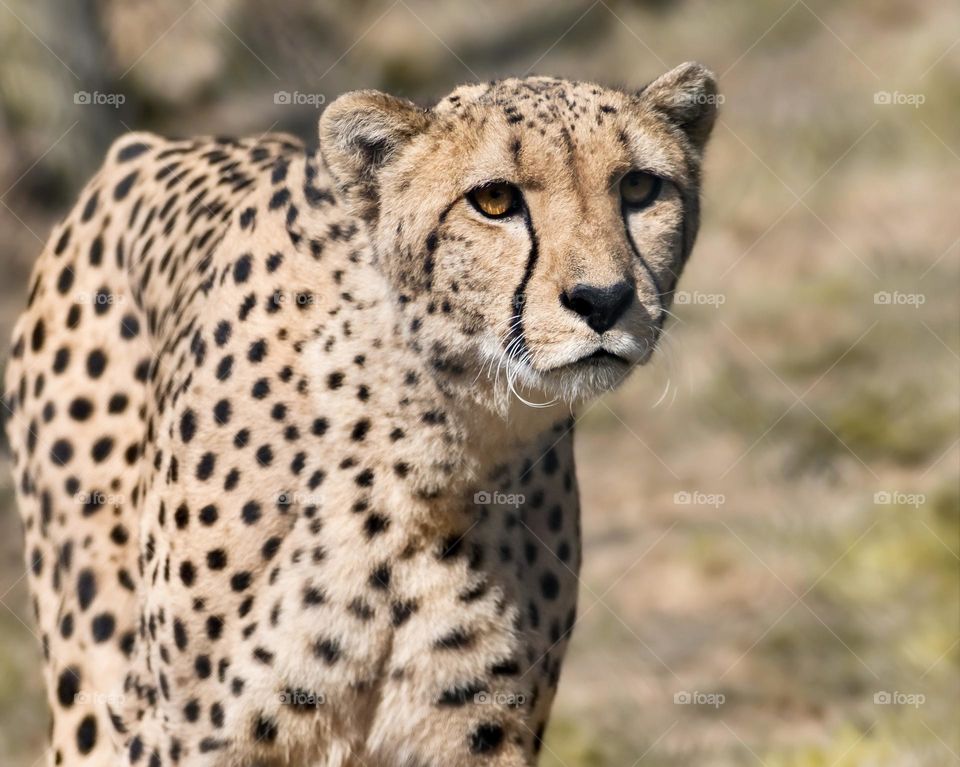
[687, 96]
[360, 133]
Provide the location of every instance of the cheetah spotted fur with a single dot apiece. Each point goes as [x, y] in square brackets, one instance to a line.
[291, 490]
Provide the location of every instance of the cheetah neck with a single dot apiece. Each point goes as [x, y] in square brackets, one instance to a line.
[455, 433]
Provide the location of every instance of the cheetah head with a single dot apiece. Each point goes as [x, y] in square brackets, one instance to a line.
[531, 230]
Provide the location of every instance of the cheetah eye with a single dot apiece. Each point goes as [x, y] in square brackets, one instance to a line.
[496, 200]
[639, 189]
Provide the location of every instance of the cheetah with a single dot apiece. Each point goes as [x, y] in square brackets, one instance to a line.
[292, 428]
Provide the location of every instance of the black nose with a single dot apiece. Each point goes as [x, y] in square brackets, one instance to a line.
[600, 307]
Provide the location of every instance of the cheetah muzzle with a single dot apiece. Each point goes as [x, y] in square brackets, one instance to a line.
[291, 429]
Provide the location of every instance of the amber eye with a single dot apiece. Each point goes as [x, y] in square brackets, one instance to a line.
[639, 189]
[495, 200]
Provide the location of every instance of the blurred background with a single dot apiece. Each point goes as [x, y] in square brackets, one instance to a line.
[771, 508]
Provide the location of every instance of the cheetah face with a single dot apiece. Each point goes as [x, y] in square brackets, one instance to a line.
[530, 229]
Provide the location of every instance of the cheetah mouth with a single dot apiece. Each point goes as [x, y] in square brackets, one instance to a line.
[598, 358]
[601, 355]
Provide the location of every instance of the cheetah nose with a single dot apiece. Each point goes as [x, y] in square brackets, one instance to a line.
[599, 306]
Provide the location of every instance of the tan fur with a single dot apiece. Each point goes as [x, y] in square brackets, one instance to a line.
[335, 531]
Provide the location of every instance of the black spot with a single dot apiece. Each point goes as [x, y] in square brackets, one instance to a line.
[375, 524]
[61, 359]
[179, 634]
[265, 730]
[211, 744]
[257, 351]
[400, 612]
[65, 280]
[461, 694]
[250, 512]
[214, 626]
[451, 547]
[101, 449]
[261, 388]
[360, 609]
[103, 626]
[136, 749]
[216, 559]
[129, 326]
[241, 269]
[550, 462]
[328, 650]
[123, 188]
[549, 585]
[206, 465]
[202, 666]
[188, 425]
[208, 514]
[188, 573]
[380, 577]
[221, 412]
[270, 548]
[119, 535]
[96, 251]
[96, 362]
[505, 668]
[38, 335]
[68, 685]
[132, 150]
[87, 734]
[240, 581]
[313, 596]
[486, 738]
[280, 197]
[80, 409]
[221, 333]
[86, 588]
[191, 711]
[360, 429]
[62, 242]
[455, 640]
